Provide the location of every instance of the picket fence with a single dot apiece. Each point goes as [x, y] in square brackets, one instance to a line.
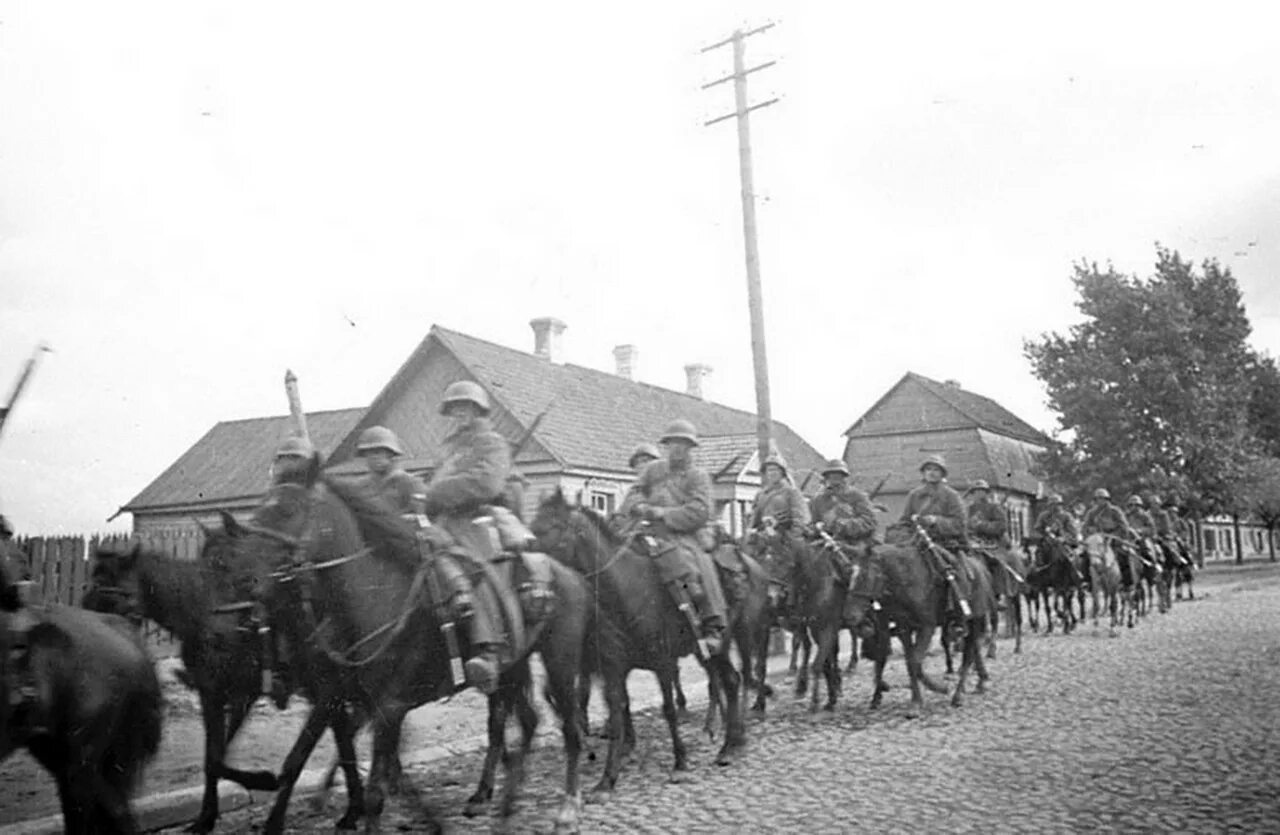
[60, 568]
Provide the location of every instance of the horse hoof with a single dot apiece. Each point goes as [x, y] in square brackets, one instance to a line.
[912, 713]
[679, 776]
[599, 795]
[956, 701]
[829, 707]
[766, 691]
[475, 809]
[348, 823]
[201, 826]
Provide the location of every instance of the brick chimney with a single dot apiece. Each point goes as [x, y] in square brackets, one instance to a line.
[696, 374]
[546, 337]
[625, 358]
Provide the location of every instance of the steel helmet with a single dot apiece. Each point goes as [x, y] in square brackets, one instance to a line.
[680, 430]
[379, 437]
[935, 460]
[1154, 500]
[295, 447]
[776, 460]
[645, 448]
[1135, 499]
[1102, 493]
[465, 391]
[980, 484]
[835, 465]
[1055, 498]
[1172, 501]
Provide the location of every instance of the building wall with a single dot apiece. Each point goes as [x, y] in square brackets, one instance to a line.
[1218, 537]
[182, 523]
[911, 406]
[899, 456]
[1019, 511]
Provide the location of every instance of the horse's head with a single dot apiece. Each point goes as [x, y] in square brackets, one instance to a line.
[576, 536]
[779, 563]
[249, 556]
[114, 585]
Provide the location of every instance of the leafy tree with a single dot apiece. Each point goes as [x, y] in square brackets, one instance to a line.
[1264, 496]
[1153, 388]
[1264, 403]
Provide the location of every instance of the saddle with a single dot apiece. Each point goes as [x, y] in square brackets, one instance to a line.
[735, 569]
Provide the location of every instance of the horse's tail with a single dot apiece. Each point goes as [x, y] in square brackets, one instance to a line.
[138, 737]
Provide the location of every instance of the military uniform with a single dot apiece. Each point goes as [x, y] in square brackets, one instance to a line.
[677, 501]
[942, 502]
[292, 464]
[783, 502]
[846, 513]
[1106, 518]
[987, 522]
[472, 476]
[624, 519]
[1058, 523]
[402, 492]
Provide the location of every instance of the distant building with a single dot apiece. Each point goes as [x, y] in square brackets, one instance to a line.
[594, 419]
[979, 438]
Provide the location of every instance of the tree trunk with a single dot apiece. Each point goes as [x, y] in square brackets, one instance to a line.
[1271, 539]
[1235, 523]
[1197, 533]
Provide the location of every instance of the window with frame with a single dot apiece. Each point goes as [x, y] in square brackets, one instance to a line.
[602, 502]
[1210, 539]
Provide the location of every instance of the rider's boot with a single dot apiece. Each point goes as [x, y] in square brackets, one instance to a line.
[484, 666]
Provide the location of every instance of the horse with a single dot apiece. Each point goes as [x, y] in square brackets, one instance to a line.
[343, 577]
[639, 628]
[900, 583]
[1052, 580]
[1184, 573]
[1008, 581]
[1148, 588]
[96, 717]
[220, 648]
[746, 591]
[806, 577]
[1105, 571]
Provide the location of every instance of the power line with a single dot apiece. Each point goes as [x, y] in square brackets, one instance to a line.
[741, 112]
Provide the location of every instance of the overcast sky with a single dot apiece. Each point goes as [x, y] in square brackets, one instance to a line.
[195, 196]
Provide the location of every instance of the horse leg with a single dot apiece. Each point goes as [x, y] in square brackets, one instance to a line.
[528, 719]
[344, 736]
[319, 719]
[714, 706]
[823, 660]
[388, 718]
[666, 681]
[682, 704]
[968, 649]
[1016, 621]
[993, 631]
[921, 642]
[983, 677]
[914, 671]
[853, 650]
[561, 660]
[615, 696]
[499, 705]
[946, 649]
[735, 730]
[795, 649]
[882, 656]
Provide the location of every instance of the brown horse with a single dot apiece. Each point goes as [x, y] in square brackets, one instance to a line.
[1008, 581]
[639, 628]
[912, 593]
[344, 579]
[221, 652]
[96, 717]
[804, 577]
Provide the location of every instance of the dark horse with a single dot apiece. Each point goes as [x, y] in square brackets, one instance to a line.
[1052, 580]
[639, 628]
[344, 579]
[221, 655]
[97, 712]
[913, 594]
[805, 579]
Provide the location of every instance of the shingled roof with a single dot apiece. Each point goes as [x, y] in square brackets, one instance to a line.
[231, 461]
[965, 410]
[598, 417]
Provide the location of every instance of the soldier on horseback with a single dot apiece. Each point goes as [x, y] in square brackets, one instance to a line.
[1166, 537]
[381, 451]
[471, 479]
[844, 511]
[780, 506]
[1142, 523]
[1108, 519]
[675, 497]
[937, 507]
[1055, 524]
[292, 461]
[987, 525]
[624, 521]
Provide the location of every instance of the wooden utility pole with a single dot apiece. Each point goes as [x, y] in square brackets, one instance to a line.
[741, 112]
[21, 385]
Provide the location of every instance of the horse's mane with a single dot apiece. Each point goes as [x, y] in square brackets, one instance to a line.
[379, 525]
[601, 524]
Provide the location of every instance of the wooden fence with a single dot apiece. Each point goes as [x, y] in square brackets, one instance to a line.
[59, 568]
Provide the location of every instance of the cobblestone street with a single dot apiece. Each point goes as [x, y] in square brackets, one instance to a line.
[1171, 726]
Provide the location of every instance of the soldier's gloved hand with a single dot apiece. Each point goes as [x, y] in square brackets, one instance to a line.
[653, 514]
[436, 537]
[929, 519]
